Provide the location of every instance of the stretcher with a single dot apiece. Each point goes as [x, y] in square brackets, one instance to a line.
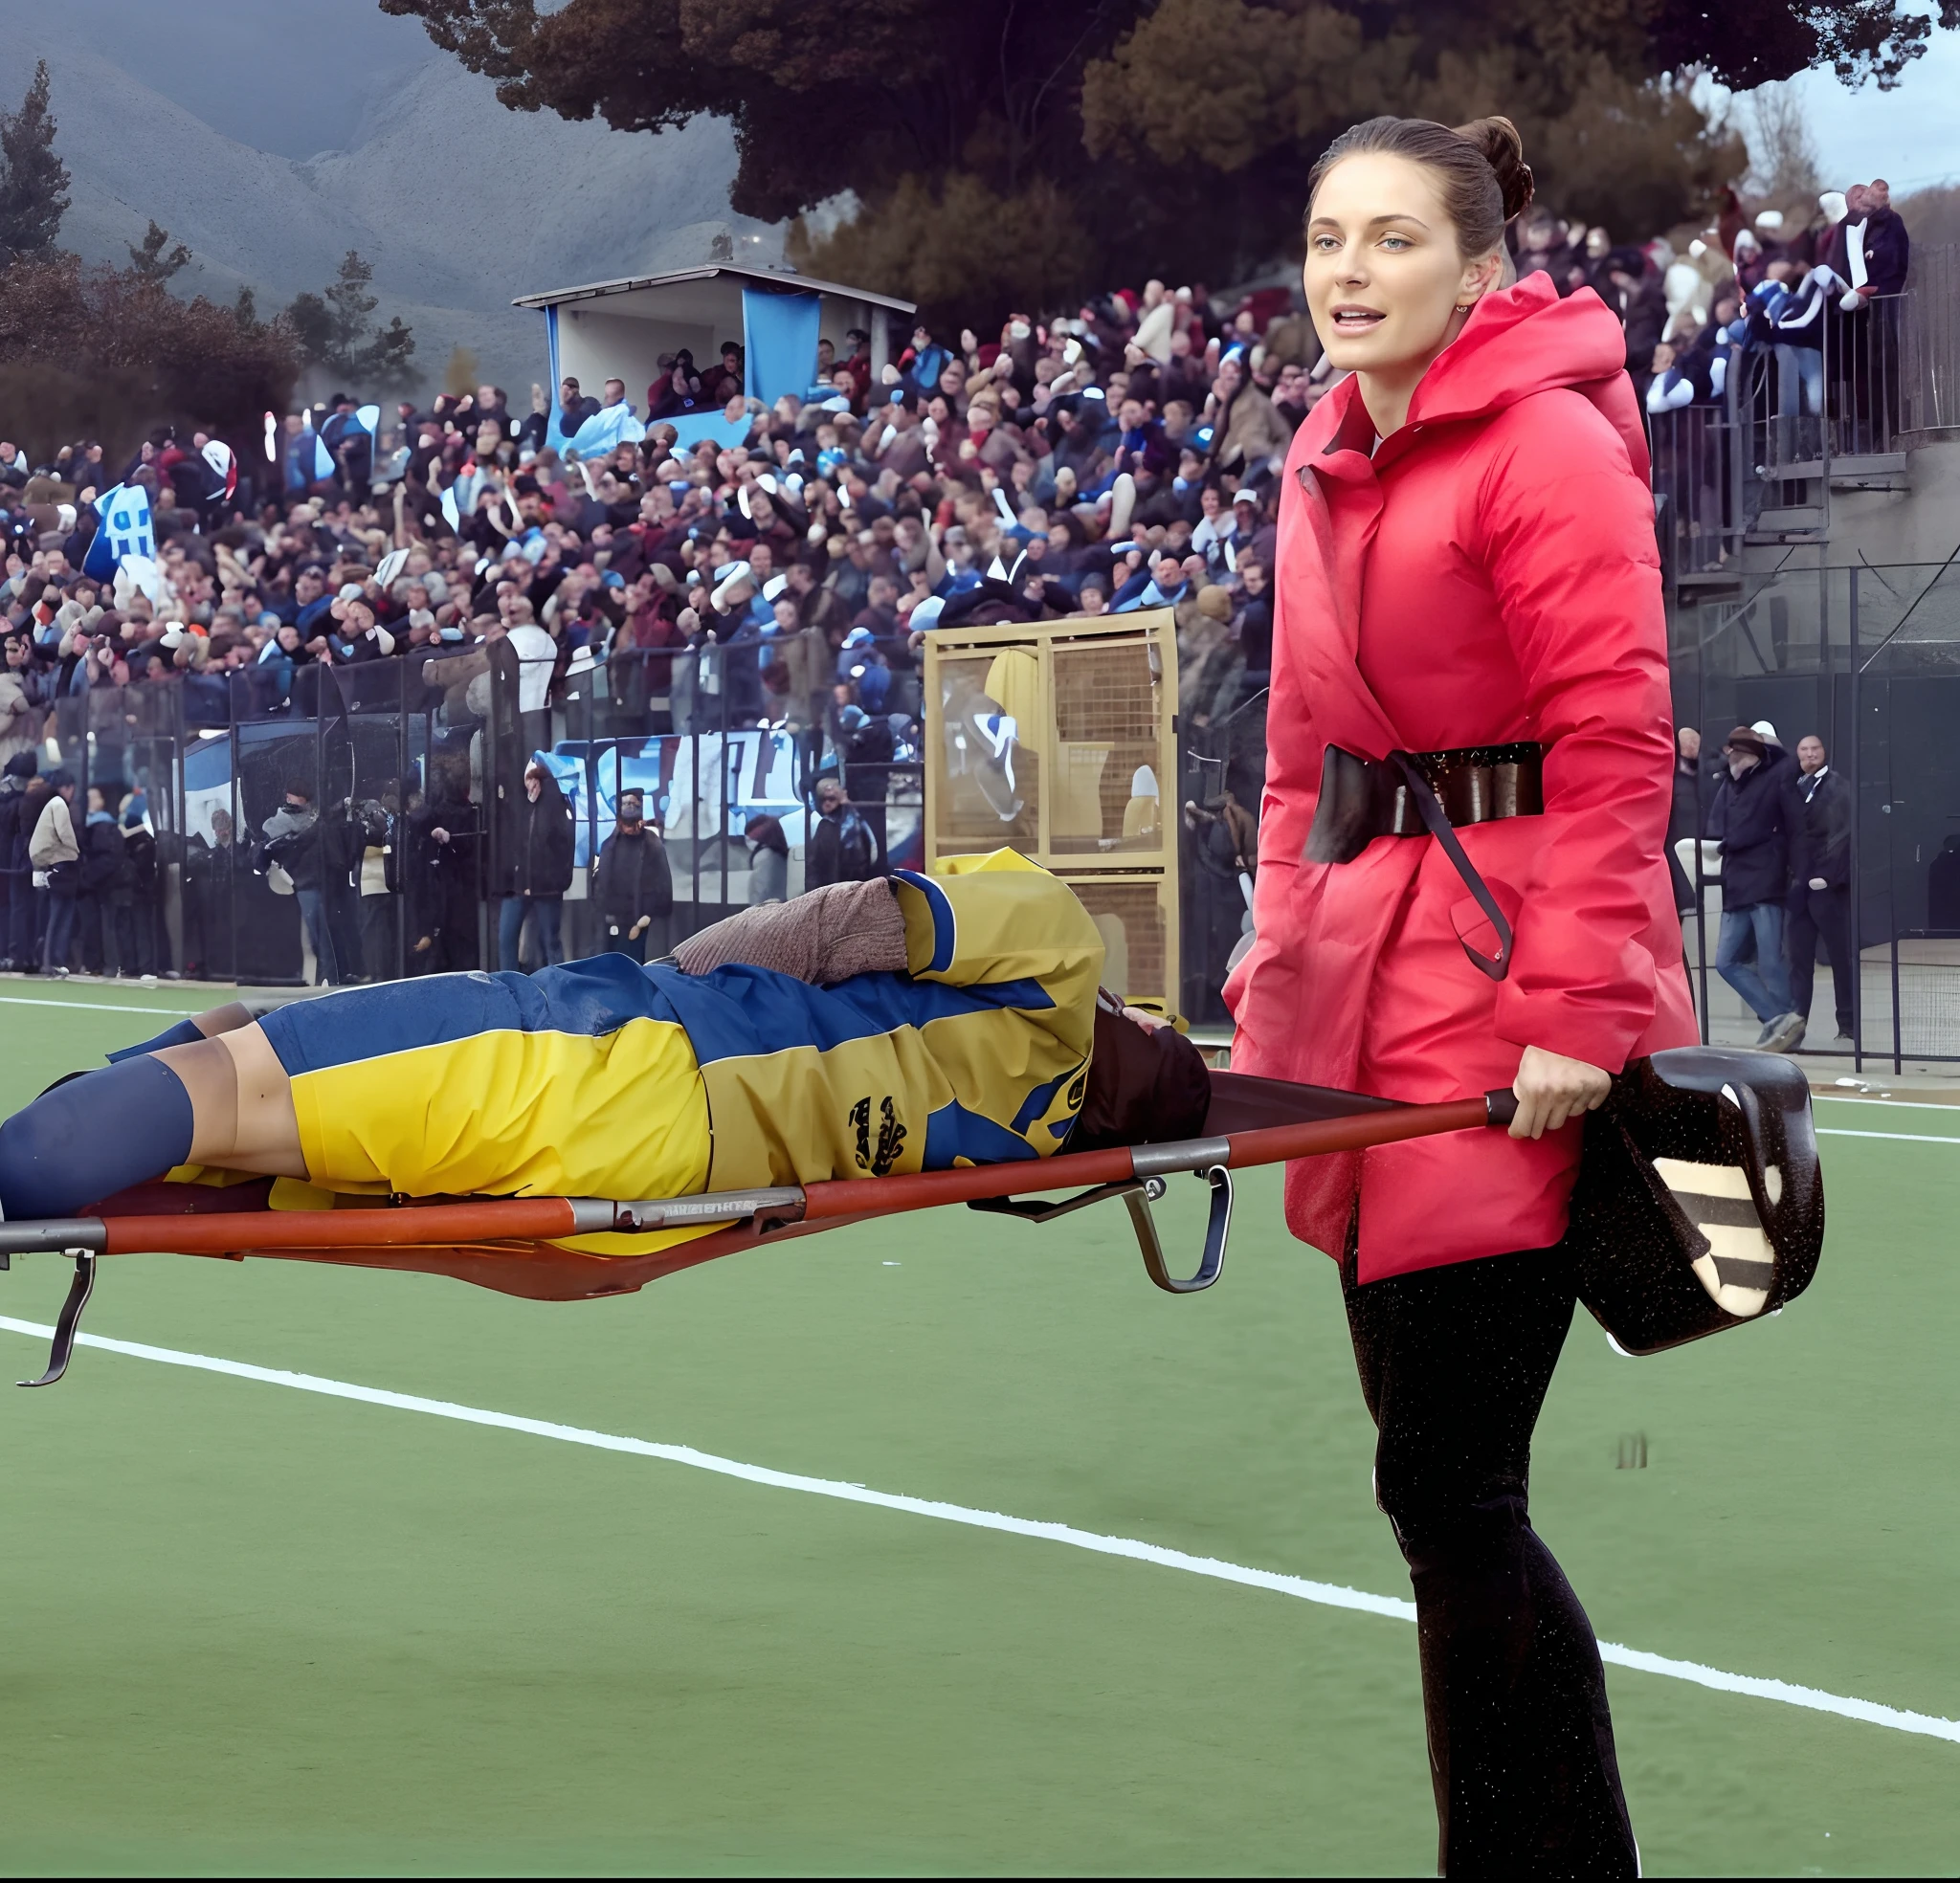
[511, 1243]
[1699, 1205]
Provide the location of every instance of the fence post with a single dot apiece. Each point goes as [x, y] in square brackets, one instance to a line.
[1700, 828]
[1855, 921]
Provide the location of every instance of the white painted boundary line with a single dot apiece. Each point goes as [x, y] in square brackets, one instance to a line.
[102, 1007]
[1891, 1104]
[1895, 1136]
[1328, 1595]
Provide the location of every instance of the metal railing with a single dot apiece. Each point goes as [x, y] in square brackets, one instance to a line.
[1757, 464]
[1929, 343]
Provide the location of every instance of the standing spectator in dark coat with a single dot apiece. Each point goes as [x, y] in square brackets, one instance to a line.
[208, 913]
[636, 884]
[537, 867]
[374, 839]
[444, 839]
[841, 847]
[16, 873]
[1871, 253]
[1749, 818]
[1689, 816]
[105, 926]
[146, 893]
[1818, 813]
[1634, 292]
[292, 841]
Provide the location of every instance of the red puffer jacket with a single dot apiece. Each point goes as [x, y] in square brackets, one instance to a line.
[1490, 575]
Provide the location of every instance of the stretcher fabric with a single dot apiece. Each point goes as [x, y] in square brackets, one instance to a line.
[602, 1077]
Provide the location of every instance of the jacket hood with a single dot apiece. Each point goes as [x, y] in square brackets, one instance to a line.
[1524, 340]
[1517, 342]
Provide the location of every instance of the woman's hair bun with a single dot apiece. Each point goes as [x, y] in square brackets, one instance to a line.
[1504, 150]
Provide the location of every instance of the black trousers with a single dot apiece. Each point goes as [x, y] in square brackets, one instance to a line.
[1812, 913]
[1455, 1363]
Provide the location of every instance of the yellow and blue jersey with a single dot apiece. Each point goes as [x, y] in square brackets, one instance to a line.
[602, 1077]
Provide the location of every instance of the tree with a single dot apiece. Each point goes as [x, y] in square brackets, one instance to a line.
[111, 351]
[336, 329]
[1179, 130]
[147, 260]
[33, 182]
[962, 253]
[1786, 153]
[385, 360]
[312, 327]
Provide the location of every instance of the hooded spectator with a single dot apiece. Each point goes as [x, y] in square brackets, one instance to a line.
[538, 852]
[636, 886]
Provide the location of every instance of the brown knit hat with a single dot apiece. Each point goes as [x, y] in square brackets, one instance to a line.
[1745, 739]
[1215, 601]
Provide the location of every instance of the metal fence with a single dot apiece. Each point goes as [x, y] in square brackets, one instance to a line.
[416, 766]
[1868, 660]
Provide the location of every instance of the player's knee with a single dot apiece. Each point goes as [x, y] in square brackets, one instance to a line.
[92, 1136]
[35, 1153]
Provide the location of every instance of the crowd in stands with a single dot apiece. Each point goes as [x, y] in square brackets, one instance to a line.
[1126, 456]
[1790, 291]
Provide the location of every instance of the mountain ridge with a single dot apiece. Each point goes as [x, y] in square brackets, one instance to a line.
[458, 203]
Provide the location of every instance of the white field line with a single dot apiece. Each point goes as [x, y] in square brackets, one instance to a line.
[1896, 1137]
[1893, 1104]
[102, 1007]
[1328, 1595]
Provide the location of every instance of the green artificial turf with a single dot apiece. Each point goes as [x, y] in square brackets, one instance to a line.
[252, 1629]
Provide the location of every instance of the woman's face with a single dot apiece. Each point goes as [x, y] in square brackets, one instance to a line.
[1383, 276]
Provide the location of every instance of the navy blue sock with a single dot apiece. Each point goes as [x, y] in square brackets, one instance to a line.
[92, 1136]
[183, 1033]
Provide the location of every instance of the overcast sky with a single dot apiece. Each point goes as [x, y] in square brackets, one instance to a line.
[294, 76]
[1911, 136]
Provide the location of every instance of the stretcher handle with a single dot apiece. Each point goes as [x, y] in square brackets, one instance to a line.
[518, 1219]
[1218, 1228]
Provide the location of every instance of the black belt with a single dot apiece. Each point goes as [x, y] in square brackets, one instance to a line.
[1411, 794]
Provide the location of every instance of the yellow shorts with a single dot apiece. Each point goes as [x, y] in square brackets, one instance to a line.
[489, 1085]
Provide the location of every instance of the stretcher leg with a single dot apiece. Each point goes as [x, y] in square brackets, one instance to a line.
[69, 1319]
[1217, 1228]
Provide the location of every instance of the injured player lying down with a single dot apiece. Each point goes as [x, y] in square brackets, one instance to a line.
[866, 1029]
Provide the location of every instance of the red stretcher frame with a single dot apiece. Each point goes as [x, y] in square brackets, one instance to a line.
[510, 1242]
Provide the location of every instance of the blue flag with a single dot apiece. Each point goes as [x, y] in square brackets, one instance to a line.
[123, 529]
[606, 428]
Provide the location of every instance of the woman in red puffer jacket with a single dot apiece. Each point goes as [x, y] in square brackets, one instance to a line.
[1467, 578]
